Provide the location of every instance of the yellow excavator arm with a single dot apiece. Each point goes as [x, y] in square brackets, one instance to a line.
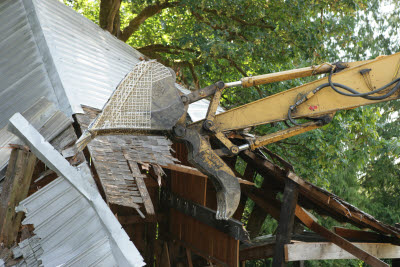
[312, 100]
[147, 101]
[347, 86]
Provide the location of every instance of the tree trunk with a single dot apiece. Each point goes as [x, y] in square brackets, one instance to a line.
[109, 18]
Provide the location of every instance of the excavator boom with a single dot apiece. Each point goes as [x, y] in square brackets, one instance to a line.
[347, 86]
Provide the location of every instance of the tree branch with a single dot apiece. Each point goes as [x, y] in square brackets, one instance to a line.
[217, 27]
[239, 20]
[164, 49]
[194, 75]
[146, 13]
[109, 15]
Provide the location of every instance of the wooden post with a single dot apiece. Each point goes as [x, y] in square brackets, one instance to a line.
[189, 257]
[165, 259]
[16, 185]
[286, 221]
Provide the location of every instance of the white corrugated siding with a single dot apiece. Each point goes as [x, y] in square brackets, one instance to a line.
[68, 227]
[90, 61]
[24, 76]
[47, 49]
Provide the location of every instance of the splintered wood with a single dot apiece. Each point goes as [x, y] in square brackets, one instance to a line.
[117, 159]
[116, 178]
[17, 181]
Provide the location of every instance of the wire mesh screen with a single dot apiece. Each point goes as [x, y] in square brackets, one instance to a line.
[130, 104]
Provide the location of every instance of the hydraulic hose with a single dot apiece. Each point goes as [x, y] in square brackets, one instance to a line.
[353, 93]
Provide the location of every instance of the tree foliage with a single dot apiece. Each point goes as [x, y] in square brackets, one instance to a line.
[357, 155]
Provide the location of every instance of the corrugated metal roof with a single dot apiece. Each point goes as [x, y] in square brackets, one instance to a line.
[48, 49]
[90, 61]
[70, 232]
[25, 65]
[75, 225]
[31, 250]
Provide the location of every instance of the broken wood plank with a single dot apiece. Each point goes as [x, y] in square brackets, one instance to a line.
[16, 186]
[318, 199]
[272, 207]
[148, 204]
[286, 221]
[363, 236]
[257, 252]
[354, 216]
[194, 171]
[330, 251]
[338, 240]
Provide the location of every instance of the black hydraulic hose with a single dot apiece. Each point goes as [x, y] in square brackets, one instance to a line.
[291, 108]
[364, 95]
[353, 93]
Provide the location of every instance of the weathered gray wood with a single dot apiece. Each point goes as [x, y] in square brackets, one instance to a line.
[329, 251]
[16, 185]
[144, 194]
[286, 220]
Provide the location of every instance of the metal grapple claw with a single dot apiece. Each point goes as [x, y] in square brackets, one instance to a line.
[206, 160]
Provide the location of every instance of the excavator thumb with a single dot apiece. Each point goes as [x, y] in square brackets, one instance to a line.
[201, 155]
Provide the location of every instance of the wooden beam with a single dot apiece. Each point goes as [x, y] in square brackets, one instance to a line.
[268, 205]
[257, 252]
[354, 216]
[306, 219]
[248, 175]
[321, 200]
[137, 175]
[196, 172]
[16, 186]
[189, 257]
[330, 251]
[286, 221]
[338, 240]
[184, 169]
[165, 258]
[363, 236]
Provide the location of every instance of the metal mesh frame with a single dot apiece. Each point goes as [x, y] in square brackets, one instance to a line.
[130, 104]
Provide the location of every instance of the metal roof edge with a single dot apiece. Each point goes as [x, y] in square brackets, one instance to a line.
[47, 59]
